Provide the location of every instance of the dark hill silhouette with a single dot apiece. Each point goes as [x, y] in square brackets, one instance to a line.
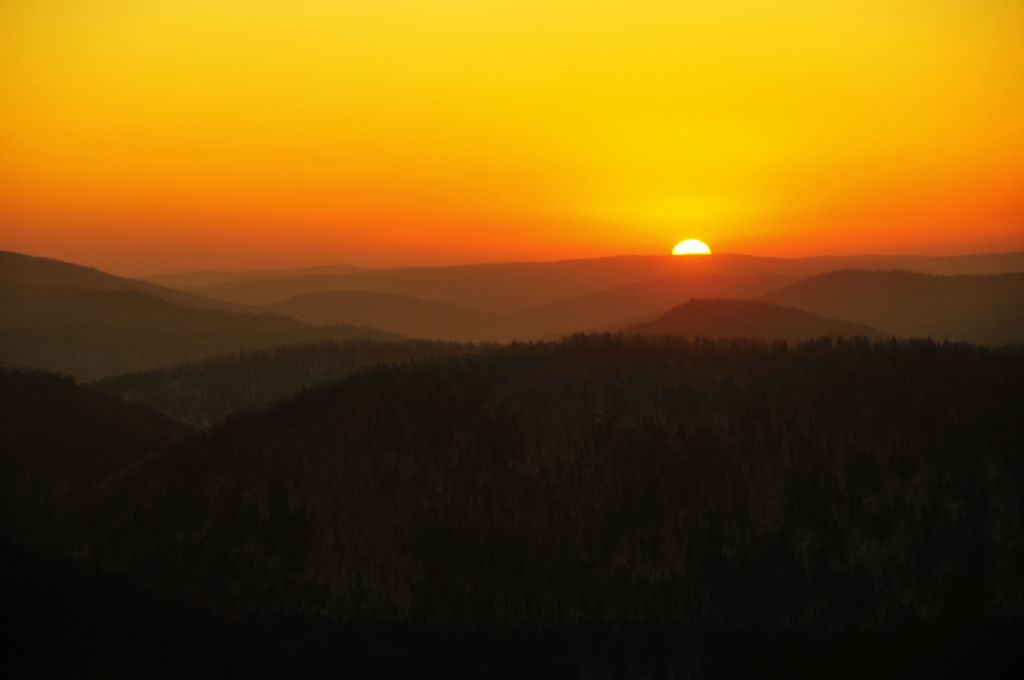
[747, 319]
[203, 392]
[840, 486]
[91, 334]
[422, 318]
[978, 309]
[517, 287]
[58, 439]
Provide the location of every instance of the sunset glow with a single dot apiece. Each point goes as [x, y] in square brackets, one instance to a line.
[183, 134]
[691, 246]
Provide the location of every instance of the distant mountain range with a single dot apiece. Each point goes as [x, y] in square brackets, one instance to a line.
[77, 320]
[986, 310]
[217, 277]
[547, 299]
[403, 314]
[88, 324]
[747, 319]
[416, 317]
[517, 287]
[965, 298]
[501, 288]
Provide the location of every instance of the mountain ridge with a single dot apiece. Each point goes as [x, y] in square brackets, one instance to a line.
[30, 270]
[748, 319]
[519, 286]
[92, 333]
[418, 317]
[984, 309]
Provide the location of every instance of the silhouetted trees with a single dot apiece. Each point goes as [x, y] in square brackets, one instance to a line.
[835, 485]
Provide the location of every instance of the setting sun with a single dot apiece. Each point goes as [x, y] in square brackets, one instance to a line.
[193, 134]
[691, 246]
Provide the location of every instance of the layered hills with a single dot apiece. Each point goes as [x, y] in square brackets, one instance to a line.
[88, 324]
[519, 286]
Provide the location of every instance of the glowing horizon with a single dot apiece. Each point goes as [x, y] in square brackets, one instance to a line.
[691, 246]
[194, 134]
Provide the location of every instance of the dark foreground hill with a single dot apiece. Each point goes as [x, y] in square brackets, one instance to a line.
[58, 439]
[835, 486]
[68, 619]
[986, 310]
[203, 392]
[747, 319]
[91, 334]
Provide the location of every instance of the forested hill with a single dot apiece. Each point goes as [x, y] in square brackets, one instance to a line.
[831, 486]
[58, 439]
[201, 393]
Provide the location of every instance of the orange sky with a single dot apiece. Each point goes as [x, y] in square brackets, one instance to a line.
[164, 135]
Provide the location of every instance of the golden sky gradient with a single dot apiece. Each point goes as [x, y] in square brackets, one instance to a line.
[157, 135]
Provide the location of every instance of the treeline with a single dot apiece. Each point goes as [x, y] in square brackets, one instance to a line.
[203, 392]
[831, 486]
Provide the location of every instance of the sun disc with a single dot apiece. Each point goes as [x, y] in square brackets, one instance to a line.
[691, 246]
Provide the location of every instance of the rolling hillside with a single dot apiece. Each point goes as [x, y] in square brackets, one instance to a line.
[980, 309]
[203, 392]
[26, 270]
[599, 479]
[747, 319]
[91, 334]
[416, 317]
[598, 311]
